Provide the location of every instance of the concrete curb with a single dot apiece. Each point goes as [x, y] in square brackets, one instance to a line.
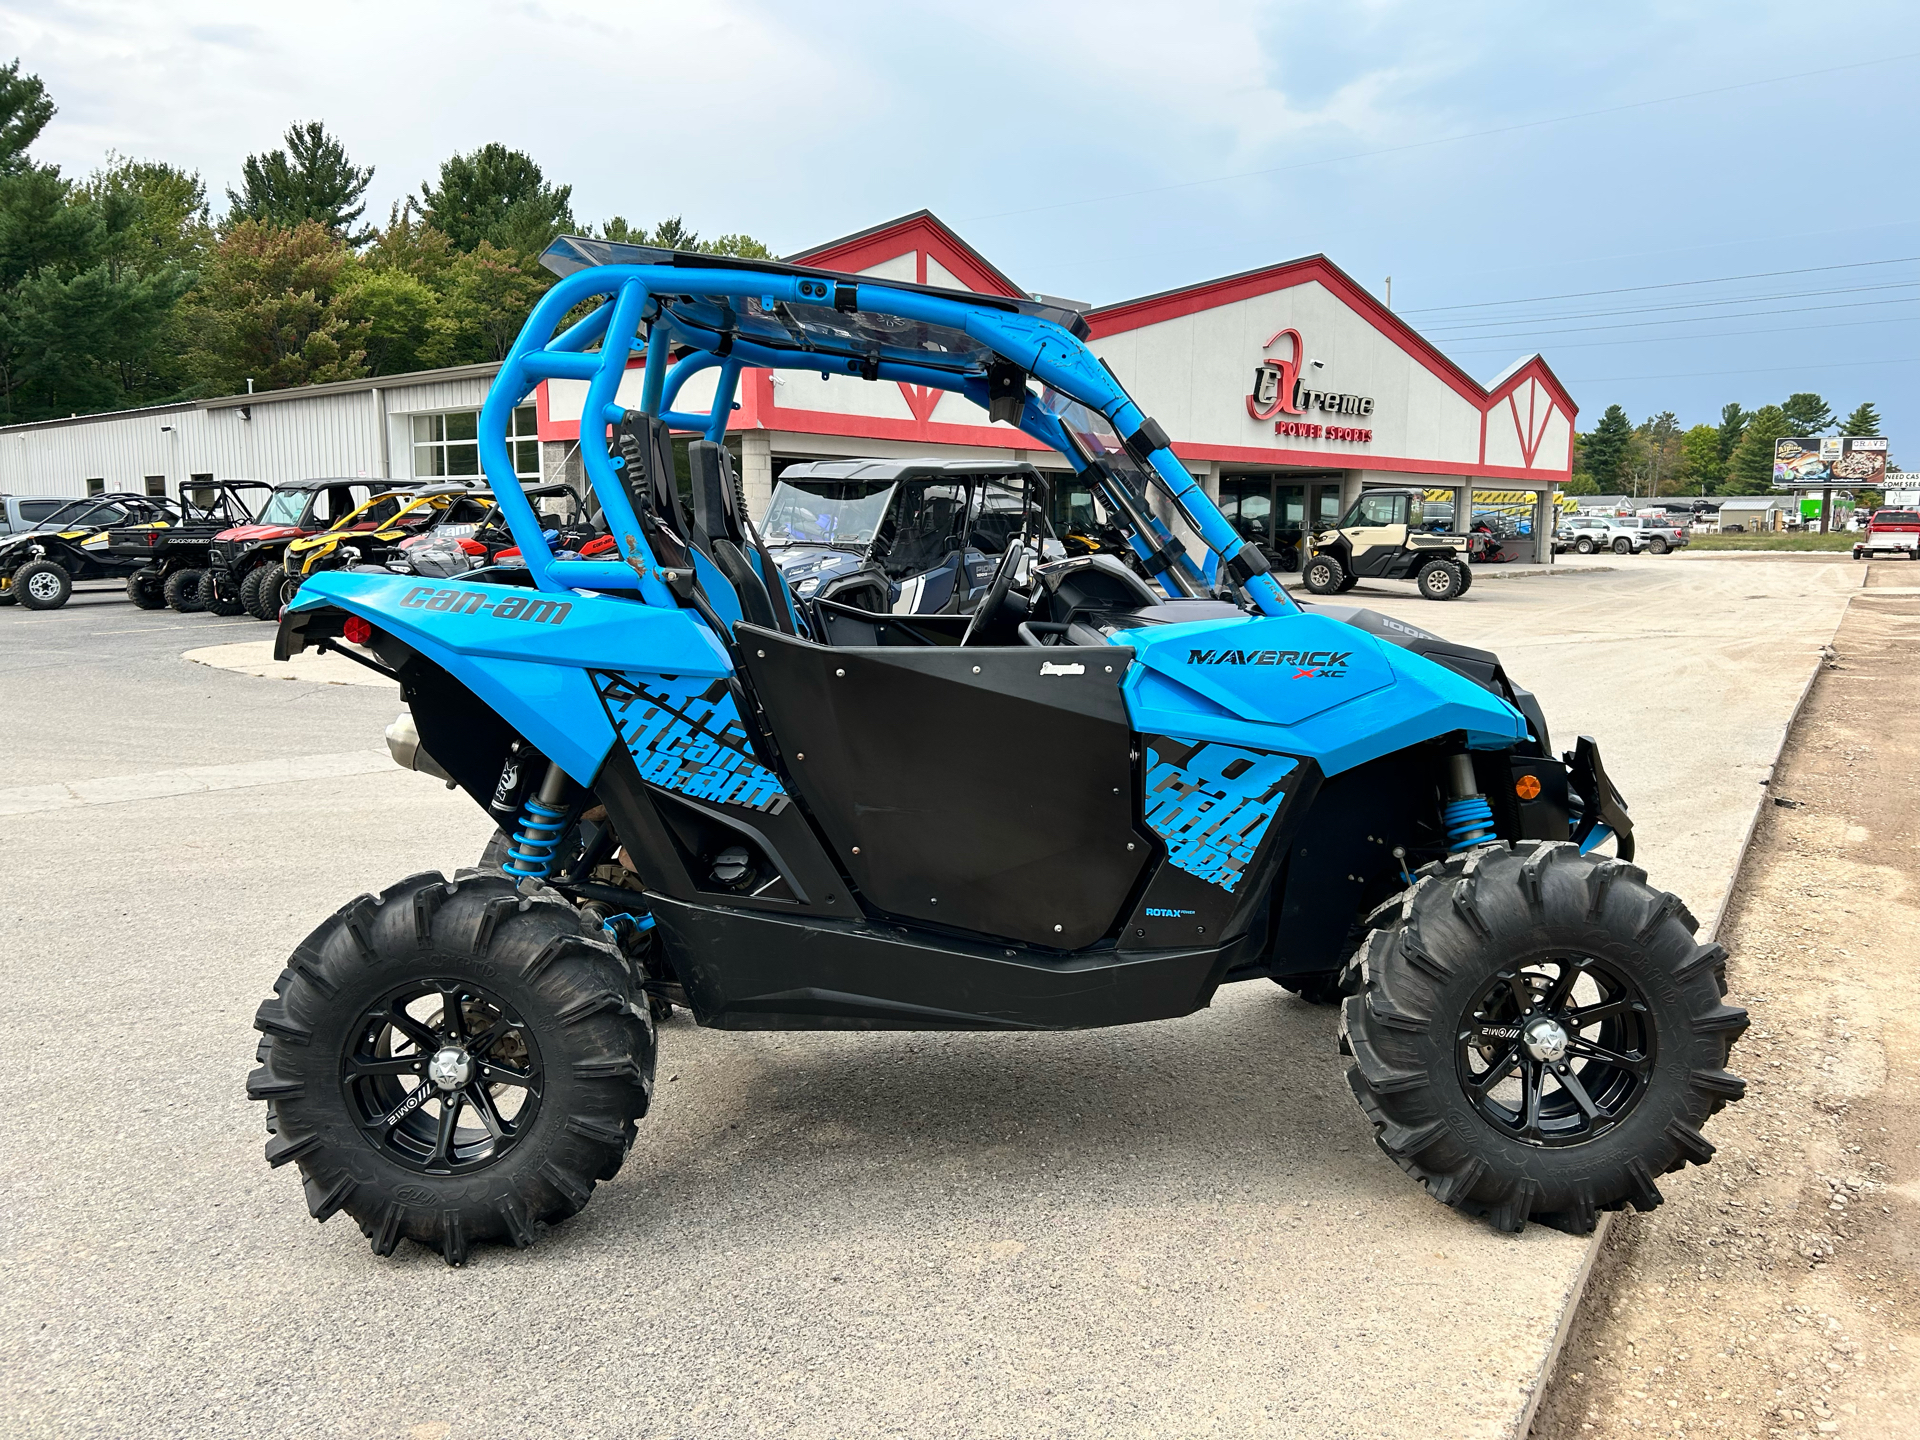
[1710, 931]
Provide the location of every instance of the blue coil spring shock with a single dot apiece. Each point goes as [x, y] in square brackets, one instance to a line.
[530, 853]
[1469, 822]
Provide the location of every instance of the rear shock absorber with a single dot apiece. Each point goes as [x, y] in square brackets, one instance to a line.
[535, 841]
[1468, 816]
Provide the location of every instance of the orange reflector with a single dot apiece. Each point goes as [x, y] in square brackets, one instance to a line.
[1527, 786]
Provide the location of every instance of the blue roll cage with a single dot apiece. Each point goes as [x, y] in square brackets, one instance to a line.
[640, 289]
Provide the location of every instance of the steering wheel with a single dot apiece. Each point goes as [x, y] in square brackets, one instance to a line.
[997, 592]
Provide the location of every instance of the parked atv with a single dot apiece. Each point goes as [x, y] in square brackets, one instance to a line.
[246, 564]
[1381, 538]
[39, 568]
[1090, 801]
[913, 537]
[176, 556]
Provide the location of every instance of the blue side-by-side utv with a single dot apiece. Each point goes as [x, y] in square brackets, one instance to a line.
[1092, 800]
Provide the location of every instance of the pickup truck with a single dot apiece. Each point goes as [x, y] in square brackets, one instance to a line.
[1624, 535]
[1890, 532]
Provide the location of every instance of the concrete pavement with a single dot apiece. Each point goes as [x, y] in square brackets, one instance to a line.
[1175, 1229]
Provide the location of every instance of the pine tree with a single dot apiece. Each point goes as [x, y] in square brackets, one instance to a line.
[1750, 472]
[1605, 450]
[312, 179]
[1865, 420]
[497, 196]
[1733, 424]
[1807, 413]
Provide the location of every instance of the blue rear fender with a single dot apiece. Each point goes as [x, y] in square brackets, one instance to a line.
[1304, 685]
[527, 653]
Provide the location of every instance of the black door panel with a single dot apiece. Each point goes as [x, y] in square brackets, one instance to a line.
[989, 790]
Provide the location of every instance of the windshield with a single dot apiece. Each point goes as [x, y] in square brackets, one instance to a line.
[826, 512]
[283, 507]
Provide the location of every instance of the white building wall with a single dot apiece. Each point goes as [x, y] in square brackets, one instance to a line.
[1192, 374]
[291, 438]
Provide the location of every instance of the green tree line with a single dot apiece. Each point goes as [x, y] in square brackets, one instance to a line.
[1734, 457]
[124, 289]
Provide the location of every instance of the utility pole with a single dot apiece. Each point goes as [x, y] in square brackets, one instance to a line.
[1389, 292]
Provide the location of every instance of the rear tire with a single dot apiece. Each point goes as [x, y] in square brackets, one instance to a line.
[1656, 546]
[42, 585]
[147, 590]
[1466, 576]
[183, 590]
[1323, 575]
[1439, 1007]
[362, 997]
[1441, 580]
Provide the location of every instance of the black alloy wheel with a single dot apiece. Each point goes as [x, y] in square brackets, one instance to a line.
[1537, 1035]
[454, 1062]
[1557, 1052]
[442, 1076]
[183, 591]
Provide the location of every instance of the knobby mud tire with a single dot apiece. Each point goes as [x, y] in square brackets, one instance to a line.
[1323, 575]
[575, 993]
[1440, 943]
[212, 601]
[250, 591]
[183, 591]
[266, 592]
[146, 591]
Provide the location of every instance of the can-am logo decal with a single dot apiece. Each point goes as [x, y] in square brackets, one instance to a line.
[1309, 664]
[476, 602]
[1160, 912]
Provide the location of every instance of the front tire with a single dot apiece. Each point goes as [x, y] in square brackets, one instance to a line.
[218, 595]
[42, 585]
[146, 590]
[1583, 546]
[183, 591]
[1323, 575]
[453, 1062]
[1535, 1035]
[261, 583]
[1623, 546]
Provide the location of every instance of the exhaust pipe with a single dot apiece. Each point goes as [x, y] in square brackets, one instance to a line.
[403, 743]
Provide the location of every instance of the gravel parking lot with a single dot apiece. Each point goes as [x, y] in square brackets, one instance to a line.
[1176, 1229]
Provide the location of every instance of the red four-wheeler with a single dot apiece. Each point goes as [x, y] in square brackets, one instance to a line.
[245, 565]
[1890, 532]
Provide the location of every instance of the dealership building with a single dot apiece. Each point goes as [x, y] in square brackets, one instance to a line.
[1287, 391]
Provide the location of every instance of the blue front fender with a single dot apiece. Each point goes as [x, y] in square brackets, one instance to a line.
[1304, 685]
[526, 653]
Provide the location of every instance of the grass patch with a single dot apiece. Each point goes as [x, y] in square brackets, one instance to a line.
[1802, 540]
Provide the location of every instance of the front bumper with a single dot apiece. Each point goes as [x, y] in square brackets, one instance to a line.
[1603, 810]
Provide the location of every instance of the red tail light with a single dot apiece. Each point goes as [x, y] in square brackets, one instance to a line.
[357, 630]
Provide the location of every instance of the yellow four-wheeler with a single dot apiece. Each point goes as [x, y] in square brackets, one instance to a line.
[1381, 538]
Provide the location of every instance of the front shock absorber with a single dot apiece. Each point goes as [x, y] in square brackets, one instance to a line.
[536, 839]
[1468, 816]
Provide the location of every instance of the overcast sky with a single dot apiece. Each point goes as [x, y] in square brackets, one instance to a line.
[1477, 152]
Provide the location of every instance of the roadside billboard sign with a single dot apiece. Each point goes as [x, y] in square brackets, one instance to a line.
[1819, 461]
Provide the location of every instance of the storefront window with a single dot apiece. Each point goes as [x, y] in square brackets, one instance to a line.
[449, 444]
